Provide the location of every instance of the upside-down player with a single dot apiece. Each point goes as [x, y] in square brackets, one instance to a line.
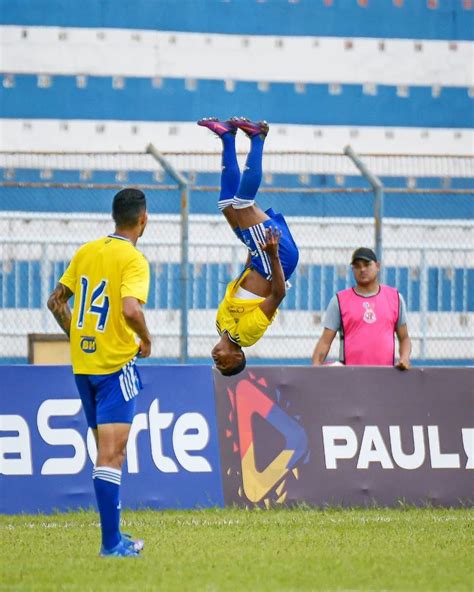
[251, 300]
[109, 279]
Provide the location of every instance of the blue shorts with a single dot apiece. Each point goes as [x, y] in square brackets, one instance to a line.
[109, 398]
[287, 249]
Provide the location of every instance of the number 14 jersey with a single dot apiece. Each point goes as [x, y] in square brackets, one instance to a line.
[101, 273]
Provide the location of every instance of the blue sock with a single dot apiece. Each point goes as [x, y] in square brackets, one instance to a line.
[230, 175]
[107, 492]
[252, 175]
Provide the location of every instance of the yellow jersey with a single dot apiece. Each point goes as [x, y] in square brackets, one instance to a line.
[101, 273]
[243, 320]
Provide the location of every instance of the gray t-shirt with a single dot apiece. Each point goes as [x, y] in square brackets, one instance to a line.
[332, 318]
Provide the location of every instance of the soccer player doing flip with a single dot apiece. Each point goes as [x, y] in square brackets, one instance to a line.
[252, 299]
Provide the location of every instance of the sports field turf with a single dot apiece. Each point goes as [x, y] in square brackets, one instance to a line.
[235, 549]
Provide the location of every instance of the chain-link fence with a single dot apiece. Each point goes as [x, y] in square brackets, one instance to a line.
[50, 204]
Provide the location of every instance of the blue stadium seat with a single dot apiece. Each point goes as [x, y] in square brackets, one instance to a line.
[139, 100]
[449, 290]
[381, 19]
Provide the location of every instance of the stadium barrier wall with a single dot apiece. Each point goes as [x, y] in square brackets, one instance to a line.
[347, 436]
[270, 436]
[46, 449]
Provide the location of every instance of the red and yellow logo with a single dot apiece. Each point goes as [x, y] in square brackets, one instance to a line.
[251, 408]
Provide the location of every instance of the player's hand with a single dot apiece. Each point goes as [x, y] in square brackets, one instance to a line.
[272, 239]
[144, 349]
[403, 364]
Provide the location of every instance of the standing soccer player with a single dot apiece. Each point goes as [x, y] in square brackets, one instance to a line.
[109, 279]
[251, 301]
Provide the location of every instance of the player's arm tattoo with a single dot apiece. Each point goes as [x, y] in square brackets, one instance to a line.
[58, 305]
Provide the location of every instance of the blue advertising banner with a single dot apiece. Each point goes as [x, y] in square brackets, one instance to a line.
[46, 450]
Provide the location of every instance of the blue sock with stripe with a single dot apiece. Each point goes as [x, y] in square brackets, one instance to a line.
[230, 175]
[107, 492]
[252, 175]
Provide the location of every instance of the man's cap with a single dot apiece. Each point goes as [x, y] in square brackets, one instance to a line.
[363, 253]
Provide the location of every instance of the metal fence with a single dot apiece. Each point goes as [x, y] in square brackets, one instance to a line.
[50, 204]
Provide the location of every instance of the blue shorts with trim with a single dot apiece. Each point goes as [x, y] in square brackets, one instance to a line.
[287, 249]
[109, 398]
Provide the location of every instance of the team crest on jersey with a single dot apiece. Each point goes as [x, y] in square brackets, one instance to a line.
[369, 313]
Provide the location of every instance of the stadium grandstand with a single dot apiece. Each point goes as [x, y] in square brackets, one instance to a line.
[86, 87]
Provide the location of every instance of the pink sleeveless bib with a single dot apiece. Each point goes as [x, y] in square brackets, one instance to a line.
[368, 325]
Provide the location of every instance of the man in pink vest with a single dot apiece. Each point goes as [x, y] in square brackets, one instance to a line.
[367, 316]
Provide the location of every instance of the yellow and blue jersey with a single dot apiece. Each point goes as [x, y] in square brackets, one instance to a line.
[101, 273]
[243, 320]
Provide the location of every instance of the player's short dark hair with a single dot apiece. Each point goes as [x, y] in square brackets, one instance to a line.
[127, 206]
[237, 369]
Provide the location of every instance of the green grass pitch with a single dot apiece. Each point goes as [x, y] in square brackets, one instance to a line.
[249, 550]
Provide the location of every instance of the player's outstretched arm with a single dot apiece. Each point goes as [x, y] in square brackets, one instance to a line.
[278, 289]
[135, 319]
[58, 305]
